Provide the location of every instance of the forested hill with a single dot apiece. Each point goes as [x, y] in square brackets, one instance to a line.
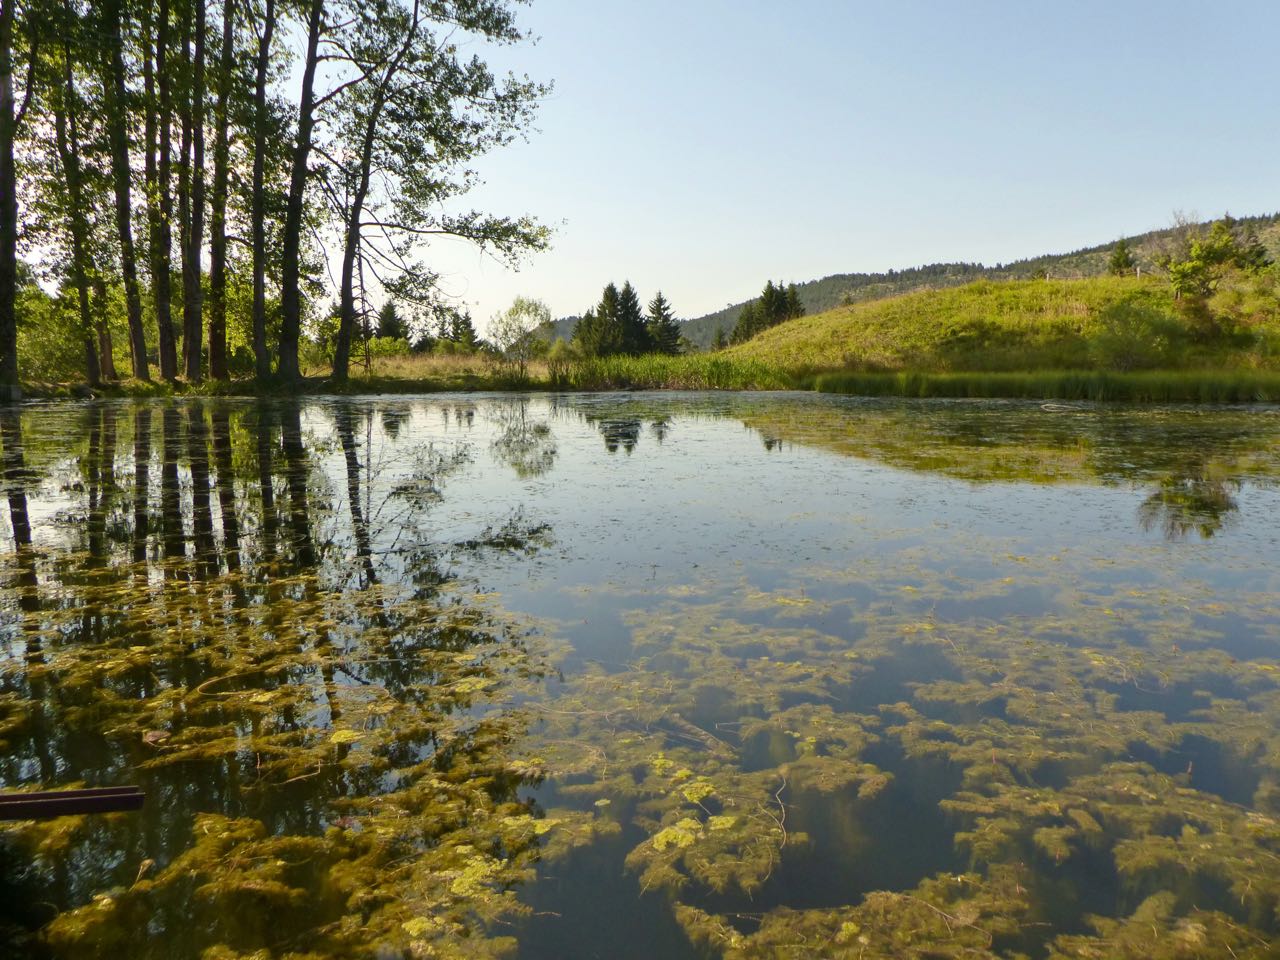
[846, 288]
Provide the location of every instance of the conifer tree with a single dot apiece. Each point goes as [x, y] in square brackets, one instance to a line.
[633, 334]
[748, 324]
[389, 322]
[664, 329]
[794, 308]
[599, 332]
[1121, 262]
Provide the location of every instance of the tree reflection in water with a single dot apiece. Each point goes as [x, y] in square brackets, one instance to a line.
[329, 769]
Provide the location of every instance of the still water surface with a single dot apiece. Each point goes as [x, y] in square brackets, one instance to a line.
[644, 675]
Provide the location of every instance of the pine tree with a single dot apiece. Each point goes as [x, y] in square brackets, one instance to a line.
[631, 327]
[462, 331]
[599, 333]
[389, 322]
[719, 341]
[773, 305]
[794, 307]
[664, 329]
[748, 324]
[1121, 262]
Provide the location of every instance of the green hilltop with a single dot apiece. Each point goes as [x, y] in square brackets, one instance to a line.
[844, 289]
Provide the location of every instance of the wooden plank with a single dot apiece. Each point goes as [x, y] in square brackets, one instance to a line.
[45, 804]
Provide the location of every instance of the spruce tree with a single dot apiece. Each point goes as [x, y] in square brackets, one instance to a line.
[748, 324]
[1121, 263]
[794, 307]
[633, 334]
[462, 331]
[599, 332]
[389, 322]
[773, 305]
[664, 329]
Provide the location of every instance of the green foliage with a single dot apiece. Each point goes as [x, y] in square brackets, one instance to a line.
[50, 339]
[662, 327]
[775, 305]
[517, 333]
[389, 322]
[1132, 336]
[616, 326]
[1121, 262]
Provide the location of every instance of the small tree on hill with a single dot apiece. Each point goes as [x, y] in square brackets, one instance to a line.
[1121, 262]
[664, 329]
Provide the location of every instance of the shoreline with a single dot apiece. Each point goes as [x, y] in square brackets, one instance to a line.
[699, 372]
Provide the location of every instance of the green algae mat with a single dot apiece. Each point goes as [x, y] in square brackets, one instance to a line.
[654, 675]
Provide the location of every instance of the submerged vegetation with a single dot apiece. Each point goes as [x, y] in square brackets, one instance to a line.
[377, 712]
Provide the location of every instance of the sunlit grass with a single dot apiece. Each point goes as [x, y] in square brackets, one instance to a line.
[1148, 386]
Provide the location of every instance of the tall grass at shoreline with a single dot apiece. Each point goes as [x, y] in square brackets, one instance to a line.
[699, 371]
[1147, 386]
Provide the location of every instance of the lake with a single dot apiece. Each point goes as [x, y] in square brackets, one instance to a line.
[642, 675]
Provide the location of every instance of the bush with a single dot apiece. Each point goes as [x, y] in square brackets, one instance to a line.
[1131, 336]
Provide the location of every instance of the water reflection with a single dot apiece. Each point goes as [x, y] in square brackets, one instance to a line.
[1189, 503]
[525, 442]
[295, 736]
[400, 678]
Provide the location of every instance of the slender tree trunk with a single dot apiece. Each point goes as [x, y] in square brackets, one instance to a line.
[192, 293]
[258, 200]
[106, 356]
[161, 199]
[117, 113]
[67, 134]
[218, 201]
[9, 389]
[351, 248]
[291, 292]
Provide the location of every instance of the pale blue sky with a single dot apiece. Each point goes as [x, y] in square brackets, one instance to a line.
[704, 146]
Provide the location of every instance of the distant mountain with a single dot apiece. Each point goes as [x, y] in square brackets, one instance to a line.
[562, 329]
[847, 288]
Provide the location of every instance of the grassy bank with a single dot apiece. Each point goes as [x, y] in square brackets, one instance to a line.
[1102, 323]
[1147, 386]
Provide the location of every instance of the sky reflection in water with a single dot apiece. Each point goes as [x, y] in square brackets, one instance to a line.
[650, 674]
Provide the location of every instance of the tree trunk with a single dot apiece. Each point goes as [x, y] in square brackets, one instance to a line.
[106, 357]
[351, 248]
[218, 204]
[161, 200]
[9, 389]
[258, 201]
[67, 134]
[291, 292]
[117, 99]
[192, 293]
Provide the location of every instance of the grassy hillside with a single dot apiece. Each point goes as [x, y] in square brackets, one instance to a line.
[849, 288]
[1102, 323]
